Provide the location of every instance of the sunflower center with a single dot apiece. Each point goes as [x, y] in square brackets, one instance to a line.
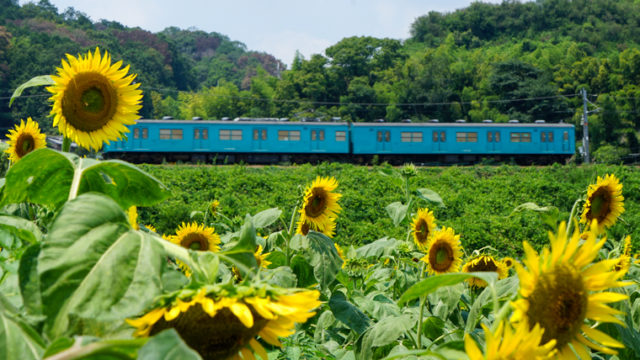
[89, 101]
[600, 203]
[559, 304]
[440, 256]
[422, 231]
[483, 264]
[317, 204]
[305, 228]
[195, 241]
[218, 337]
[25, 144]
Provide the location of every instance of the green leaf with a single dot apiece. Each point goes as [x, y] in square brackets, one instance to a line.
[94, 270]
[16, 229]
[432, 327]
[432, 283]
[18, 341]
[46, 176]
[349, 314]
[36, 81]
[266, 217]
[29, 280]
[383, 333]
[240, 252]
[58, 345]
[431, 196]
[377, 248]
[303, 271]
[397, 212]
[167, 345]
[549, 214]
[324, 258]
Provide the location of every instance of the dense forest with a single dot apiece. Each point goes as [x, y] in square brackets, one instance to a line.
[513, 60]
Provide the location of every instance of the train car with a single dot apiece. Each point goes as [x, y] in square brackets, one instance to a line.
[232, 141]
[540, 143]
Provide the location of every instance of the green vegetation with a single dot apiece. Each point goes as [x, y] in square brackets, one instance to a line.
[475, 63]
[479, 201]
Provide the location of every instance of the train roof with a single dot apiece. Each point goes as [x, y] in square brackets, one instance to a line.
[467, 125]
[246, 123]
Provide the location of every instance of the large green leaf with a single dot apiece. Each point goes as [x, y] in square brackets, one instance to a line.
[383, 333]
[94, 270]
[240, 252]
[167, 345]
[46, 177]
[35, 81]
[431, 196]
[432, 283]
[18, 341]
[324, 258]
[397, 212]
[348, 313]
[377, 248]
[15, 229]
[266, 217]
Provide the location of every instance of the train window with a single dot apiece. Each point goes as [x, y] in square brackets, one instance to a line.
[321, 135]
[387, 136]
[165, 134]
[565, 136]
[264, 134]
[196, 134]
[550, 136]
[236, 134]
[313, 135]
[341, 136]
[520, 137]
[442, 136]
[496, 136]
[176, 134]
[205, 134]
[379, 136]
[411, 136]
[489, 136]
[256, 134]
[136, 133]
[467, 136]
[289, 135]
[435, 136]
[543, 136]
[145, 133]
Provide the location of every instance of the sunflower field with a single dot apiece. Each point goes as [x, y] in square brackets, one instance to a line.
[103, 260]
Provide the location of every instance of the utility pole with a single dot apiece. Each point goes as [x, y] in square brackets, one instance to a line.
[585, 127]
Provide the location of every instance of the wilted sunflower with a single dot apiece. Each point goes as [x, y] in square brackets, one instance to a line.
[508, 343]
[484, 263]
[444, 252]
[320, 204]
[94, 100]
[222, 322]
[624, 261]
[24, 139]
[422, 227]
[562, 288]
[604, 202]
[304, 226]
[195, 237]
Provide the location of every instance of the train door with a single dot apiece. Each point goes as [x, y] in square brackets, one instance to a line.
[546, 141]
[317, 139]
[140, 135]
[565, 141]
[200, 138]
[437, 140]
[493, 140]
[260, 139]
[383, 140]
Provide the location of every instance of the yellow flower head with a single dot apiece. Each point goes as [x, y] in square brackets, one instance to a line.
[304, 226]
[508, 262]
[195, 237]
[222, 323]
[624, 261]
[93, 100]
[24, 139]
[214, 206]
[261, 258]
[320, 205]
[520, 343]
[485, 263]
[561, 289]
[604, 203]
[422, 227]
[444, 252]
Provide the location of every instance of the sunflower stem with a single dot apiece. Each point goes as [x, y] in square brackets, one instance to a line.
[573, 212]
[290, 233]
[75, 183]
[423, 300]
[66, 144]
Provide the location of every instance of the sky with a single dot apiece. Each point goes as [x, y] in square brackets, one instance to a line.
[277, 27]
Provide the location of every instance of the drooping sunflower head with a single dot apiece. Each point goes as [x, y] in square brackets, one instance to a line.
[444, 252]
[484, 263]
[624, 261]
[320, 203]
[422, 227]
[561, 289]
[304, 226]
[604, 202]
[196, 237]
[520, 343]
[94, 100]
[25, 138]
[222, 322]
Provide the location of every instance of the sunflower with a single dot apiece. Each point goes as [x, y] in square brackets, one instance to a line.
[604, 202]
[320, 204]
[214, 207]
[422, 227]
[508, 262]
[133, 217]
[222, 322]
[24, 139]
[520, 343]
[261, 258]
[561, 289]
[195, 237]
[304, 226]
[93, 100]
[484, 263]
[341, 254]
[624, 261]
[444, 252]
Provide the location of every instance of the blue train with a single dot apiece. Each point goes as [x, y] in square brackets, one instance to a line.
[273, 141]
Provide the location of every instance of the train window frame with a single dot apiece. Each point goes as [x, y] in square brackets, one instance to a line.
[443, 136]
[256, 134]
[496, 136]
[550, 136]
[176, 134]
[145, 133]
[170, 134]
[543, 136]
[136, 133]
[288, 135]
[565, 136]
[411, 136]
[196, 134]
[230, 134]
[387, 136]
[379, 136]
[520, 137]
[467, 136]
[435, 136]
[341, 136]
[489, 136]
[204, 134]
